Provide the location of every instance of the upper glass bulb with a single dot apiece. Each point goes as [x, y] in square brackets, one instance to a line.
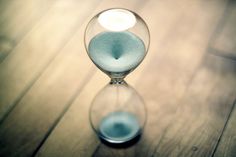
[117, 41]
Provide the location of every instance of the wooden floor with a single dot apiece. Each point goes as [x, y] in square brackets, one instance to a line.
[187, 80]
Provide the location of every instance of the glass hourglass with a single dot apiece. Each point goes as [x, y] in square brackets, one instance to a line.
[117, 41]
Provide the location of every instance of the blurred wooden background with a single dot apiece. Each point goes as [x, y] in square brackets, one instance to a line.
[188, 79]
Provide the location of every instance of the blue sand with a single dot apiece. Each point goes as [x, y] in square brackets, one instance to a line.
[116, 51]
[119, 127]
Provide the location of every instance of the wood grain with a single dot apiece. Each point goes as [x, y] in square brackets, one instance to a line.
[76, 123]
[227, 144]
[17, 18]
[46, 100]
[199, 119]
[224, 41]
[30, 58]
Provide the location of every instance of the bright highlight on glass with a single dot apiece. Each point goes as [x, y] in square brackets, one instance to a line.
[117, 19]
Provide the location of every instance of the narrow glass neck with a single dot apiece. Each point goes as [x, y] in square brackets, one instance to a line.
[117, 81]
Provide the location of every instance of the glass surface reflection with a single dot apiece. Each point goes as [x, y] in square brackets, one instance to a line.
[118, 114]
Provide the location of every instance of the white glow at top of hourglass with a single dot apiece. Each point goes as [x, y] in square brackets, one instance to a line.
[117, 19]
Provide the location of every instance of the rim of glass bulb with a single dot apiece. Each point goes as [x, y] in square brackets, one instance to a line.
[110, 140]
[147, 48]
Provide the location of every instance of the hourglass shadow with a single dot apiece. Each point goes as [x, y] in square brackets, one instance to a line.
[118, 115]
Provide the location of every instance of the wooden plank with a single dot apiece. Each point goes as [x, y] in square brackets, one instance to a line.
[30, 122]
[76, 140]
[53, 92]
[197, 123]
[17, 17]
[227, 144]
[223, 44]
[223, 41]
[33, 54]
[84, 140]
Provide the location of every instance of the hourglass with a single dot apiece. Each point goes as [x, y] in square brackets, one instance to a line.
[117, 41]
